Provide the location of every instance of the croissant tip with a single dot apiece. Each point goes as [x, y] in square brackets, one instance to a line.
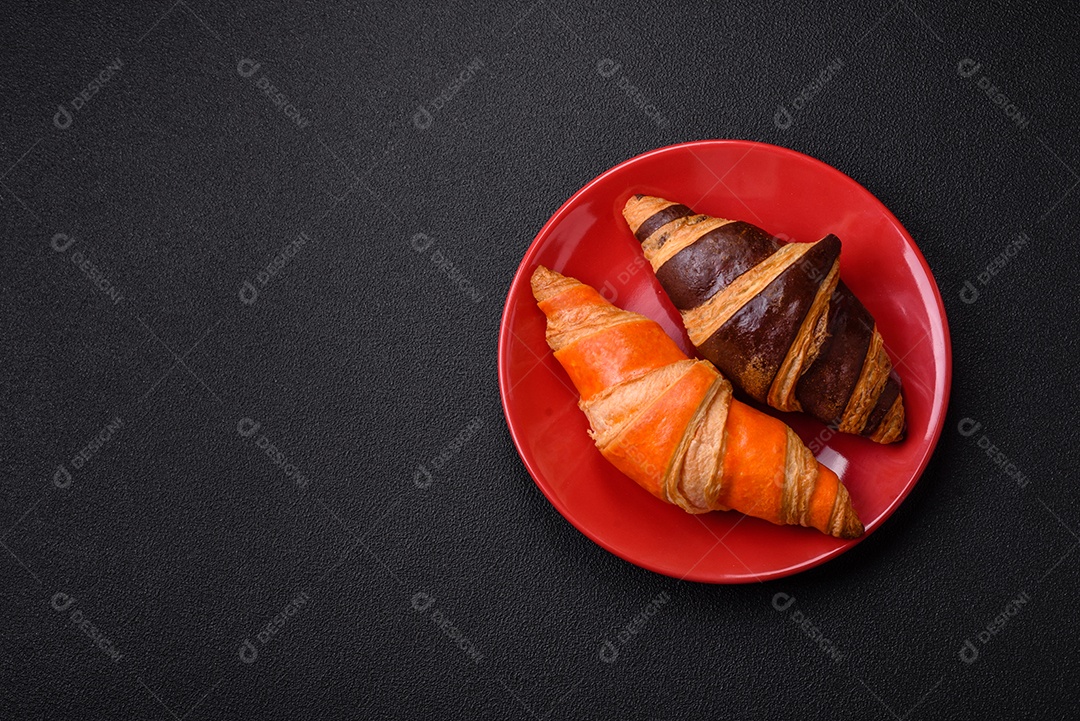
[541, 277]
[638, 210]
[541, 273]
[546, 282]
[851, 530]
[641, 198]
[893, 426]
[847, 526]
[640, 202]
[844, 523]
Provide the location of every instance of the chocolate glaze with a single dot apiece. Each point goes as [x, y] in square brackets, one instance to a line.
[826, 387]
[660, 218]
[709, 264]
[752, 344]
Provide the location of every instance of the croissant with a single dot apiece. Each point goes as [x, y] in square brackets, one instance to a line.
[670, 423]
[774, 317]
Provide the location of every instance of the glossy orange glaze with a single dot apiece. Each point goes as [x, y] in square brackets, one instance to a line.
[821, 502]
[644, 450]
[610, 356]
[753, 467]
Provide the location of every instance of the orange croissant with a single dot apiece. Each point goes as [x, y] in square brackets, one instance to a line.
[671, 424]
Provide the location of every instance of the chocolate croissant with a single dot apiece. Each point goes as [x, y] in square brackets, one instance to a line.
[670, 423]
[774, 317]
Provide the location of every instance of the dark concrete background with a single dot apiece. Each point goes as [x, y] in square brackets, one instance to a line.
[140, 577]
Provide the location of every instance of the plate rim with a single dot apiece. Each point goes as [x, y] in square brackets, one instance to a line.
[749, 145]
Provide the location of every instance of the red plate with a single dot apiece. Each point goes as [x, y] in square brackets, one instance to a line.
[786, 193]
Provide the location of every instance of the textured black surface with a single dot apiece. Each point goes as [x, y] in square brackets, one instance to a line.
[363, 360]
